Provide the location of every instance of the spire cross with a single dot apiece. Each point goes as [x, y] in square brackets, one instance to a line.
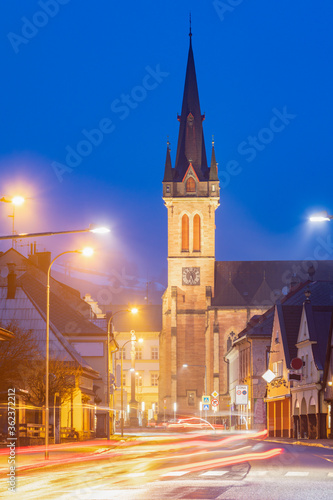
[190, 33]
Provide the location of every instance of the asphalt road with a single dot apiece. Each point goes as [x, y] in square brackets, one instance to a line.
[178, 467]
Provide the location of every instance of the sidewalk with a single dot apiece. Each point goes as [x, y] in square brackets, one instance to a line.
[320, 443]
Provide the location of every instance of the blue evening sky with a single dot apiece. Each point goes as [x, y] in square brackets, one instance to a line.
[255, 60]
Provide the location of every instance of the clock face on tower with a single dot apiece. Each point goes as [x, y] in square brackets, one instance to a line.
[191, 275]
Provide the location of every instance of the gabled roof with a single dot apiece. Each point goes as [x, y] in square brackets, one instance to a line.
[66, 319]
[230, 296]
[23, 311]
[191, 144]
[319, 321]
[262, 293]
[289, 319]
[259, 326]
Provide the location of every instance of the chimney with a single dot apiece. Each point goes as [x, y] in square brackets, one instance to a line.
[11, 281]
[41, 260]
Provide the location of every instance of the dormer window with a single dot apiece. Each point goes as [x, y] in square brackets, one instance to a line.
[213, 187]
[168, 188]
[190, 185]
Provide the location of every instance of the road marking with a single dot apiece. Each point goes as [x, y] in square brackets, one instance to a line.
[176, 473]
[214, 473]
[257, 473]
[297, 473]
[135, 474]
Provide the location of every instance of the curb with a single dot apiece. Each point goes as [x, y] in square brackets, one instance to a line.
[300, 443]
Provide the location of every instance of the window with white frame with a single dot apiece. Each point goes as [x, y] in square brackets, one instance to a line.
[138, 379]
[154, 352]
[138, 352]
[154, 379]
[278, 368]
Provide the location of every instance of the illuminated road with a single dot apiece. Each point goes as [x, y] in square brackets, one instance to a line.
[178, 467]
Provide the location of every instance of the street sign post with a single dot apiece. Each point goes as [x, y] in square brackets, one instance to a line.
[242, 394]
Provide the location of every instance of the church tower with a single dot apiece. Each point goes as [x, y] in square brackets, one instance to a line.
[191, 196]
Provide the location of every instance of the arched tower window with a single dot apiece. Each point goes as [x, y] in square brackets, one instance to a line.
[185, 233]
[190, 185]
[196, 233]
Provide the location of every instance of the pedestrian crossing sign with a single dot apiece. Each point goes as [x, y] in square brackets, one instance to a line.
[205, 407]
[206, 400]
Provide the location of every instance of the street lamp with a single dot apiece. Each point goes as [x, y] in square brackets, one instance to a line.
[87, 252]
[16, 202]
[134, 310]
[91, 229]
[321, 217]
[132, 339]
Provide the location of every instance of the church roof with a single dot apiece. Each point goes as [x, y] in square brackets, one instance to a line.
[263, 283]
[191, 144]
[213, 176]
[168, 172]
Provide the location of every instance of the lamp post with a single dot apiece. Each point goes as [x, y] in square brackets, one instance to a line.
[132, 339]
[87, 252]
[16, 202]
[134, 310]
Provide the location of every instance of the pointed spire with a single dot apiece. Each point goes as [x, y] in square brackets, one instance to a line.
[168, 171]
[213, 165]
[191, 145]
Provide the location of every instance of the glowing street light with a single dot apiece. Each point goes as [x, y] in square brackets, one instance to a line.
[321, 217]
[87, 252]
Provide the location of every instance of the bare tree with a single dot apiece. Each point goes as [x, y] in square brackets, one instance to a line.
[16, 355]
[62, 380]
[22, 366]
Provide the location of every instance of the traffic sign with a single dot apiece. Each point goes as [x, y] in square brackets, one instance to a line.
[206, 400]
[215, 394]
[215, 402]
[205, 407]
[242, 394]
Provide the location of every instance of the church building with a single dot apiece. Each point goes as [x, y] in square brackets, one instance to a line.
[206, 301]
